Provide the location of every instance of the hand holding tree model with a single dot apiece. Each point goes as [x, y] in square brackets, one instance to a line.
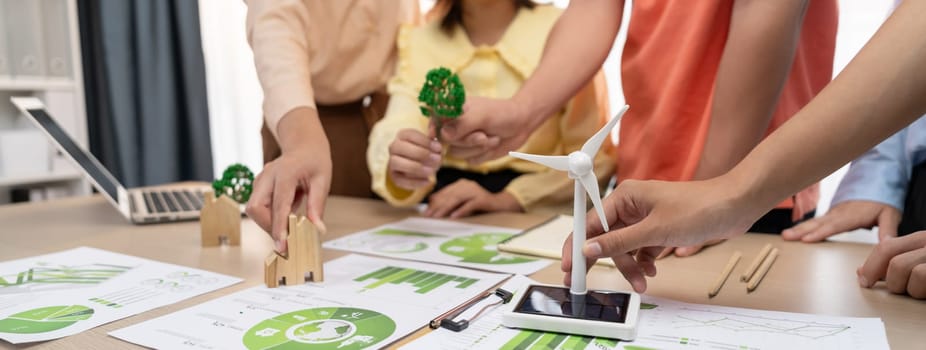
[442, 97]
[235, 183]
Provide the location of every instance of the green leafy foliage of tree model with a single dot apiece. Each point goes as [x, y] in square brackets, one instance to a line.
[236, 183]
[442, 96]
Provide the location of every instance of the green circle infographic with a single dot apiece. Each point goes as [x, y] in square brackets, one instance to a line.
[400, 247]
[481, 248]
[45, 319]
[321, 328]
[398, 241]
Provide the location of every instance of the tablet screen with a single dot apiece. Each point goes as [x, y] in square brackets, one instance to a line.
[557, 301]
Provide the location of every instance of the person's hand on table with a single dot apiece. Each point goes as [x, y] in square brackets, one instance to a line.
[847, 216]
[465, 197]
[900, 262]
[413, 159]
[647, 216]
[487, 129]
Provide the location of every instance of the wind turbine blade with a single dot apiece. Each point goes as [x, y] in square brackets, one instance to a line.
[556, 162]
[593, 144]
[590, 182]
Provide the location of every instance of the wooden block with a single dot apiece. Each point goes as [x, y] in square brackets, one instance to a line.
[219, 221]
[303, 261]
[270, 268]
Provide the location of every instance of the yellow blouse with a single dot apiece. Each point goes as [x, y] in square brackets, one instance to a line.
[497, 72]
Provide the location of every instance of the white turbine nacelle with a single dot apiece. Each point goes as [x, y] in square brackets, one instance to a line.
[579, 164]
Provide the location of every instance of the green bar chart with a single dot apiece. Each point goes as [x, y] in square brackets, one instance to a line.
[533, 340]
[423, 281]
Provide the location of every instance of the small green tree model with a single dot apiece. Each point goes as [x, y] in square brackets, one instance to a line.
[235, 183]
[442, 96]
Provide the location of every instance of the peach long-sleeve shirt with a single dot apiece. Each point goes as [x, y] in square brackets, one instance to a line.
[330, 52]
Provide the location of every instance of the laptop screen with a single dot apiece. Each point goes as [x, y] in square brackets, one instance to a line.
[107, 183]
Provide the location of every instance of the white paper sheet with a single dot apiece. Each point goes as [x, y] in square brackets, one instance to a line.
[364, 302]
[667, 324]
[671, 324]
[442, 242]
[56, 295]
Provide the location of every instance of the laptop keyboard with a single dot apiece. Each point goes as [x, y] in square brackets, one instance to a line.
[173, 201]
[195, 199]
[182, 201]
[170, 201]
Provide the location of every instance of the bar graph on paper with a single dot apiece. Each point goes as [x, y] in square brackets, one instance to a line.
[543, 340]
[432, 287]
[422, 281]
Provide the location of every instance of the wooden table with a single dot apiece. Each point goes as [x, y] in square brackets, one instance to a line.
[808, 278]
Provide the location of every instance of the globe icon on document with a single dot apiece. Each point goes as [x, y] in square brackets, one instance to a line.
[321, 328]
[321, 331]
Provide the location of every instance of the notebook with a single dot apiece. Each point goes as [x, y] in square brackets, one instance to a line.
[544, 240]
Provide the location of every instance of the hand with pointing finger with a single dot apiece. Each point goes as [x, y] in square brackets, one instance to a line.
[301, 174]
[647, 216]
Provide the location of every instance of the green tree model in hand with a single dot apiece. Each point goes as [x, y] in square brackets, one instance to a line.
[442, 97]
[235, 183]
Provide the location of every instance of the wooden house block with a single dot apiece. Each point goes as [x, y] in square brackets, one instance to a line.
[219, 221]
[304, 259]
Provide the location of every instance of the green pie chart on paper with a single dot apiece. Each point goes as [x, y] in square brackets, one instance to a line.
[404, 241]
[401, 247]
[45, 319]
[481, 248]
[321, 328]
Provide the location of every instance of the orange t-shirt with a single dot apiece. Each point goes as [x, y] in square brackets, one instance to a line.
[669, 67]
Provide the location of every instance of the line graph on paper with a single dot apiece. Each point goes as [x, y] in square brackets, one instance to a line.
[742, 323]
[668, 324]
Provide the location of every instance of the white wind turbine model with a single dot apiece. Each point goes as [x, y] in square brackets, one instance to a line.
[594, 313]
[579, 165]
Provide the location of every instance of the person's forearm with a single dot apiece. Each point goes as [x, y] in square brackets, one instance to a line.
[276, 32]
[877, 94]
[301, 130]
[577, 46]
[757, 58]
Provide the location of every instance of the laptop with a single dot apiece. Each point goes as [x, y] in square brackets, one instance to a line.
[139, 205]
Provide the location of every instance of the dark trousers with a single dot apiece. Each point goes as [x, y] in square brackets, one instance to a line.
[493, 182]
[913, 218]
[777, 220]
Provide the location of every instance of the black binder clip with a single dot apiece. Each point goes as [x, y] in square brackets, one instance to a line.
[446, 319]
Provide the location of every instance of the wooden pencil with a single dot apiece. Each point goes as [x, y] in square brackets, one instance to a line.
[755, 263]
[766, 264]
[725, 274]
